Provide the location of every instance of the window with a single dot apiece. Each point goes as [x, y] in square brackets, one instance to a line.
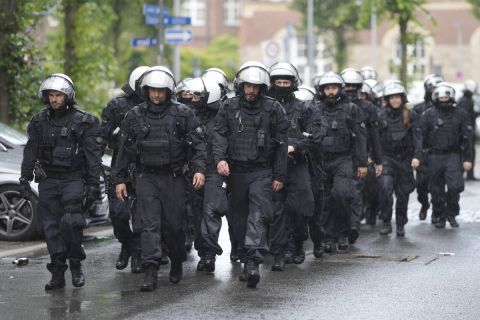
[196, 9]
[231, 12]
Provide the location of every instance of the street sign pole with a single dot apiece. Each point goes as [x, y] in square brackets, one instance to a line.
[176, 47]
[161, 33]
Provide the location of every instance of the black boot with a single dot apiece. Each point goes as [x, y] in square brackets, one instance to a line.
[353, 235]
[343, 245]
[136, 265]
[210, 262]
[386, 229]
[150, 278]
[329, 246]
[440, 223]
[453, 222]
[201, 263]
[299, 253]
[122, 261]
[234, 251]
[164, 259]
[78, 279]
[176, 272]
[400, 231]
[318, 250]
[288, 256]
[278, 262]
[253, 274]
[58, 276]
[423, 213]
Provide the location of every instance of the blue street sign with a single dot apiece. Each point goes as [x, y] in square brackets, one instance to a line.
[144, 42]
[178, 36]
[168, 20]
[154, 9]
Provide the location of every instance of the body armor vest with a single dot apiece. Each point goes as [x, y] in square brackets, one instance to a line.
[207, 123]
[445, 133]
[294, 111]
[339, 135]
[395, 138]
[250, 132]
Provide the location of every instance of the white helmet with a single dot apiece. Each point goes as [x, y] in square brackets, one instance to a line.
[366, 89]
[135, 76]
[394, 88]
[158, 77]
[331, 78]
[205, 88]
[368, 73]
[376, 87]
[217, 75]
[352, 76]
[470, 86]
[305, 93]
[285, 69]
[58, 82]
[253, 72]
[443, 90]
[431, 81]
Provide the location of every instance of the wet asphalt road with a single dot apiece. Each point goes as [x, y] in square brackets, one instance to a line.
[371, 282]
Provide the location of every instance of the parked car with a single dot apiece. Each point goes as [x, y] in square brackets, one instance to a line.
[19, 219]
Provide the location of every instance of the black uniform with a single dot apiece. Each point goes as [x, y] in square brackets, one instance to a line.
[157, 139]
[422, 178]
[467, 104]
[294, 204]
[344, 144]
[112, 117]
[252, 138]
[68, 145]
[397, 144]
[446, 138]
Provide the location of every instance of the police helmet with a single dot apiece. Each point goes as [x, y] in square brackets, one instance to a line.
[285, 70]
[253, 72]
[330, 78]
[376, 86]
[443, 90]
[431, 81]
[58, 82]
[470, 86]
[205, 88]
[305, 93]
[135, 76]
[368, 73]
[158, 77]
[352, 76]
[217, 75]
[395, 88]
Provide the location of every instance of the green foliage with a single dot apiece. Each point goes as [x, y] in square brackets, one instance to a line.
[222, 53]
[21, 63]
[475, 7]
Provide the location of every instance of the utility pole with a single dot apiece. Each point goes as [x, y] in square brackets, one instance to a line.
[176, 46]
[310, 43]
[160, 33]
[373, 27]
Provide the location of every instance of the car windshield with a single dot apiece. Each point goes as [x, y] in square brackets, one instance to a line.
[12, 135]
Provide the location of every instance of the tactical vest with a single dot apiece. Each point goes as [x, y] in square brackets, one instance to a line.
[207, 123]
[339, 133]
[60, 149]
[161, 138]
[295, 110]
[445, 133]
[395, 138]
[251, 132]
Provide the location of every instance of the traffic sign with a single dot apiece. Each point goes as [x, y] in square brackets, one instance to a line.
[168, 20]
[178, 36]
[144, 42]
[154, 9]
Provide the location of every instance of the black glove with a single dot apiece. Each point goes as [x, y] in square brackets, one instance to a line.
[25, 189]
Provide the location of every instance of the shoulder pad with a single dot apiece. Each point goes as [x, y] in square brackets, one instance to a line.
[88, 118]
[181, 109]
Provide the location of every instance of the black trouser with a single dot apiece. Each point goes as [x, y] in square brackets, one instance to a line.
[251, 208]
[120, 213]
[397, 177]
[215, 206]
[470, 173]
[371, 199]
[161, 200]
[338, 197]
[60, 210]
[422, 185]
[293, 207]
[358, 186]
[446, 170]
[316, 224]
[196, 198]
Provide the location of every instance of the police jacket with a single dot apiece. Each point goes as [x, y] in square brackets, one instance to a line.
[395, 136]
[206, 118]
[166, 137]
[113, 114]
[467, 104]
[346, 132]
[67, 143]
[370, 118]
[252, 135]
[445, 131]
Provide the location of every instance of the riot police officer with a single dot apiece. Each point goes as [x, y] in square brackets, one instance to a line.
[422, 178]
[219, 76]
[398, 148]
[250, 148]
[446, 139]
[468, 105]
[157, 136]
[120, 212]
[293, 205]
[64, 149]
[344, 144]
[353, 84]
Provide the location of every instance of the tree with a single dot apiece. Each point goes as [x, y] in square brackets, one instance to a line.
[337, 17]
[20, 65]
[404, 13]
[475, 7]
